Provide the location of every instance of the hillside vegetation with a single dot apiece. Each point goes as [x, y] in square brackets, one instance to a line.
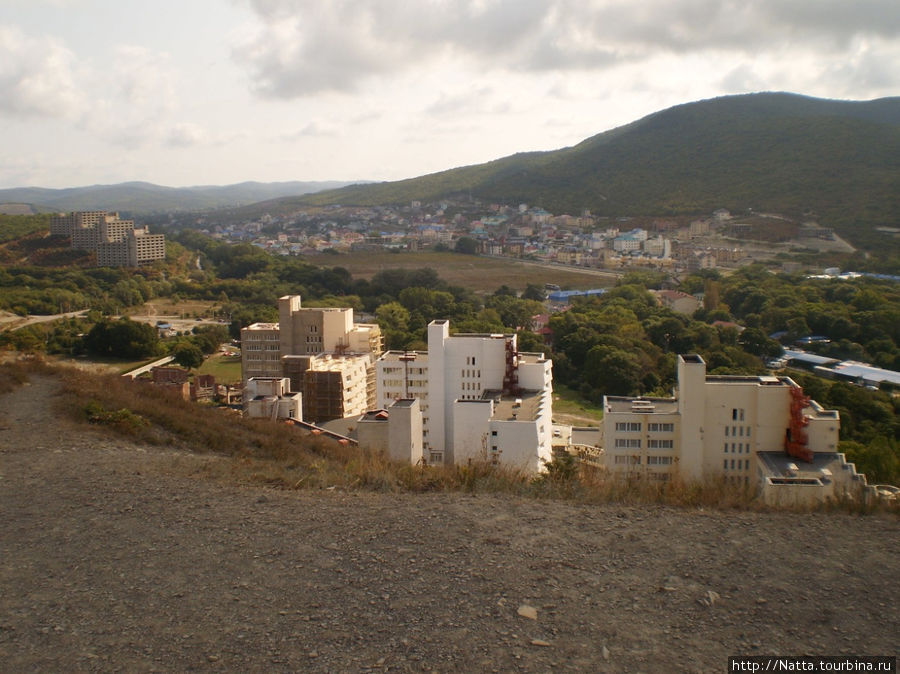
[835, 161]
[143, 198]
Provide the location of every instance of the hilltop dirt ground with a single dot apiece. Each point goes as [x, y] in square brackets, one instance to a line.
[120, 557]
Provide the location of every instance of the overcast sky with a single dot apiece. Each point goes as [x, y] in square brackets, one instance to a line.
[191, 92]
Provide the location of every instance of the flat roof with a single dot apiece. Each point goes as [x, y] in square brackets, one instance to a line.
[625, 405]
[523, 407]
[850, 368]
[411, 356]
[782, 465]
[811, 358]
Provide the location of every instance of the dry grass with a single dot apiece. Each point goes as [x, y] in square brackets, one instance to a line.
[469, 271]
[282, 456]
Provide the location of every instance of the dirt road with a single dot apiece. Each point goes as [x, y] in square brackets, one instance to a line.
[119, 557]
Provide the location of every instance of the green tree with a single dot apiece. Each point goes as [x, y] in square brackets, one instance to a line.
[123, 338]
[466, 245]
[188, 355]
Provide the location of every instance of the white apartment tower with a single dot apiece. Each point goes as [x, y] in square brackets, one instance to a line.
[480, 397]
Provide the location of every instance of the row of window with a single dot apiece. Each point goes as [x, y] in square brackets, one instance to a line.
[469, 373]
[635, 427]
[738, 448]
[635, 443]
[631, 460]
[737, 431]
[742, 464]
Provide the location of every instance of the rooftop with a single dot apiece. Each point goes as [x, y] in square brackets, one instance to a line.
[855, 370]
[625, 405]
[404, 356]
[784, 469]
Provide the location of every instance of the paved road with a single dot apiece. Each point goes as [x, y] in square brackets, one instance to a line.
[13, 322]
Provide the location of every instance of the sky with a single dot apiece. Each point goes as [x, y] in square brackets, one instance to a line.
[202, 92]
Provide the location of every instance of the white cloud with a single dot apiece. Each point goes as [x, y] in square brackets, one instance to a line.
[37, 76]
[186, 135]
[304, 47]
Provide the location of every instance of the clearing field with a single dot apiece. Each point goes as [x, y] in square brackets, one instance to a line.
[226, 369]
[570, 408]
[164, 307]
[471, 271]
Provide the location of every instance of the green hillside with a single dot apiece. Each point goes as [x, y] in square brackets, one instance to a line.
[839, 160]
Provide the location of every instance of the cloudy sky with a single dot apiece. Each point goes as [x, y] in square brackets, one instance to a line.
[189, 92]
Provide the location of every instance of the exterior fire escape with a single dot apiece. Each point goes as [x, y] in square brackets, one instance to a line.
[511, 377]
[796, 439]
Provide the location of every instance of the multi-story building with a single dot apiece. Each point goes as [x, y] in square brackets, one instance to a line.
[305, 331]
[116, 242]
[260, 351]
[270, 398]
[480, 397]
[322, 352]
[334, 386]
[756, 431]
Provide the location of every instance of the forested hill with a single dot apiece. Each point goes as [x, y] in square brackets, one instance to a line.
[143, 198]
[839, 160]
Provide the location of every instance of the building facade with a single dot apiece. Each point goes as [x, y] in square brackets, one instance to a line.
[321, 351]
[479, 397]
[735, 427]
[116, 242]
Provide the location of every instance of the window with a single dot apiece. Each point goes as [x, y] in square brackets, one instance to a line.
[629, 460]
[659, 460]
[660, 428]
[724, 464]
[628, 443]
[726, 431]
[661, 444]
[628, 426]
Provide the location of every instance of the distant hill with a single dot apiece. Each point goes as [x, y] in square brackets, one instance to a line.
[141, 197]
[838, 161]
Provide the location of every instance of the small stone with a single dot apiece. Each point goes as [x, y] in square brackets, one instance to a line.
[540, 642]
[212, 658]
[313, 654]
[605, 653]
[527, 611]
[712, 597]
[262, 499]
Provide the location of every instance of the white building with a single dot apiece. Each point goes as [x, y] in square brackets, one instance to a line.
[480, 397]
[737, 427]
[270, 398]
[396, 431]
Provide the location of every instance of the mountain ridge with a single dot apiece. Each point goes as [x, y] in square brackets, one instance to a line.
[141, 197]
[835, 161]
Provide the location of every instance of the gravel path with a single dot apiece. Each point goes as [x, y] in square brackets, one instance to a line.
[118, 557]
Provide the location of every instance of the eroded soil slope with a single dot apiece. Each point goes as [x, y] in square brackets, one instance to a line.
[119, 557]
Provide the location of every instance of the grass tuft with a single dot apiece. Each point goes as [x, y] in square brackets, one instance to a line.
[283, 456]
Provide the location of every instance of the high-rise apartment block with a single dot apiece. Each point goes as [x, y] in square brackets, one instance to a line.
[480, 398]
[116, 242]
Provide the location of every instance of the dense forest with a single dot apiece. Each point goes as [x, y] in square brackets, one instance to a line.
[620, 343]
